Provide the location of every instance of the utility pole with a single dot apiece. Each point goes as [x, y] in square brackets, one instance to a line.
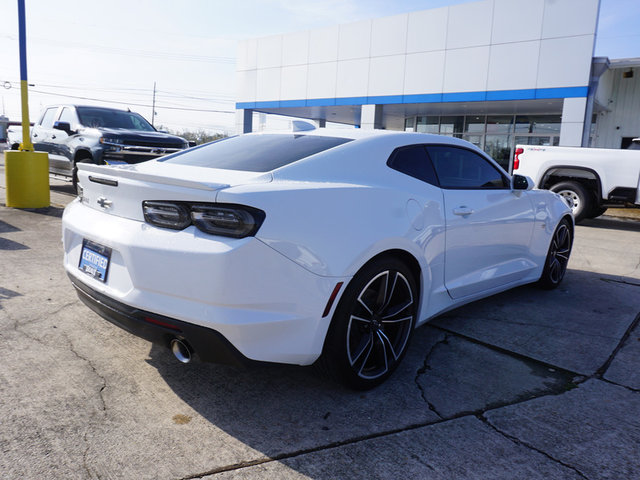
[153, 107]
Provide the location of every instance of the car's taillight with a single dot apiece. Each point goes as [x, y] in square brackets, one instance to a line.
[231, 221]
[166, 214]
[516, 158]
[235, 221]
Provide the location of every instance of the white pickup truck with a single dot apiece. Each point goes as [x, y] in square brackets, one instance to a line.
[588, 178]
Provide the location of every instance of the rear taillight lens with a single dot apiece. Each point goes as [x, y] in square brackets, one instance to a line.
[235, 221]
[166, 214]
[231, 221]
[516, 158]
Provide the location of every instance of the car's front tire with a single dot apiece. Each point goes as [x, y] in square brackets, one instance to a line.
[372, 325]
[555, 265]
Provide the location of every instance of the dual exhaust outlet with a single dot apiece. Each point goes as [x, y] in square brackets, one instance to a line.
[181, 350]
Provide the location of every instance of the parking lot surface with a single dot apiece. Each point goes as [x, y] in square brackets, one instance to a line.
[526, 384]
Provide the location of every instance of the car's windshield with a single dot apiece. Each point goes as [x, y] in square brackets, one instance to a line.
[106, 118]
[255, 153]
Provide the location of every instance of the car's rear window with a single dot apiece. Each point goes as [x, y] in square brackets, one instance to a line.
[255, 153]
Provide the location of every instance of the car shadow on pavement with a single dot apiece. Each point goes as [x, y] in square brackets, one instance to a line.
[64, 188]
[6, 294]
[612, 223]
[48, 211]
[7, 227]
[511, 347]
[6, 244]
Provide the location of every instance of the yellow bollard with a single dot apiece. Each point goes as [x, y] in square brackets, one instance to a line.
[27, 179]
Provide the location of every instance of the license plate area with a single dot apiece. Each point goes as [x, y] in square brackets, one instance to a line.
[94, 260]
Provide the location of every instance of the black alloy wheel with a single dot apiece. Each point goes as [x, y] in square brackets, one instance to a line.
[372, 325]
[558, 256]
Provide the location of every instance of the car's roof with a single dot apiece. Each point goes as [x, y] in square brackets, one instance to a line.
[358, 133]
[99, 107]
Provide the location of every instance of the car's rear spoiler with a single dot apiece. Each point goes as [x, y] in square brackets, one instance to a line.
[128, 171]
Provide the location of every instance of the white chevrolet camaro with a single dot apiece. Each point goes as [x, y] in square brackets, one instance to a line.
[323, 246]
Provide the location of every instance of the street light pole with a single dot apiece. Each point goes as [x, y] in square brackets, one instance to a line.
[26, 172]
[153, 107]
[26, 144]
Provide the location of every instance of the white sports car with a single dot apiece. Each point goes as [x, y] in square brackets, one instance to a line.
[322, 246]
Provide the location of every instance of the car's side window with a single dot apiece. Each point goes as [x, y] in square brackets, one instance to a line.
[413, 161]
[464, 169]
[47, 118]
[69, 116]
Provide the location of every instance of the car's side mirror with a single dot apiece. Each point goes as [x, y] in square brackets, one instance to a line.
[520, 182]
[64, 126]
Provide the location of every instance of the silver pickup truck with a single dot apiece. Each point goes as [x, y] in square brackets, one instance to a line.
[73, 134]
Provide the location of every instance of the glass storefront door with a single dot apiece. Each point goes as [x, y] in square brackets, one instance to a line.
[495, 134]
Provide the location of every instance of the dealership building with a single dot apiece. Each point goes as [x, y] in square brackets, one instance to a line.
[495, 72]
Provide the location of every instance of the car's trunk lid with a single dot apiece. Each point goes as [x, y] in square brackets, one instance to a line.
[120, 190]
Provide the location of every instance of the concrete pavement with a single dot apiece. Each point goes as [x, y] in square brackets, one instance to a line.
[526, 384]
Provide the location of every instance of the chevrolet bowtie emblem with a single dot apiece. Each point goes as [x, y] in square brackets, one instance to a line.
[104, 203]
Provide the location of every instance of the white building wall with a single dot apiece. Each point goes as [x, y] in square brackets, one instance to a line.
[572, 122]
[621, 97]
[491, 45]
[480, 51]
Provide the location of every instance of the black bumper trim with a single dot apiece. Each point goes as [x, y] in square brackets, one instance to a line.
[208, 344]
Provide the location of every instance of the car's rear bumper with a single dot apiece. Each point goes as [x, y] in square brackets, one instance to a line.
[265, 305]
[207, 344]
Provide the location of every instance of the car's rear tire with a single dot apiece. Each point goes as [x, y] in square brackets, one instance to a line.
[577, 196]
[555, 265]
[372, 325]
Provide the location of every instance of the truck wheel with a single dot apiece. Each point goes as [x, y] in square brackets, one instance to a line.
[578, 198]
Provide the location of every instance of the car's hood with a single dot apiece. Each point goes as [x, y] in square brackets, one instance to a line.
[127, 134]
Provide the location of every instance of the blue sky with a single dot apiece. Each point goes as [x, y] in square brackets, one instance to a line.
[114, 51]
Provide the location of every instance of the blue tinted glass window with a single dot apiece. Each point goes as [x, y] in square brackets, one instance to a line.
[255, 153]
[460, 168]
[413, 161]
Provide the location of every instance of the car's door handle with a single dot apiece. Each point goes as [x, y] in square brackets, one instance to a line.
[53, 136]
[462, 210]
[35, 135]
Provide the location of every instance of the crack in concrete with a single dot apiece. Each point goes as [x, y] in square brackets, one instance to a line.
[631, 389]
[623, 281]
[85, 454]
[16, 327]
[554, 327]
[93, 369]
[505, 351]
[603, 369]
[477, 413]
[423, 369]
[523, 443]
[43, 318]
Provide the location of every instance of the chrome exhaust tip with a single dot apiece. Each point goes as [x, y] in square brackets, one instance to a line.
[181, 350]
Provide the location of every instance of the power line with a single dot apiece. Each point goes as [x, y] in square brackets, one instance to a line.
[132, 91]
[134, 104]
